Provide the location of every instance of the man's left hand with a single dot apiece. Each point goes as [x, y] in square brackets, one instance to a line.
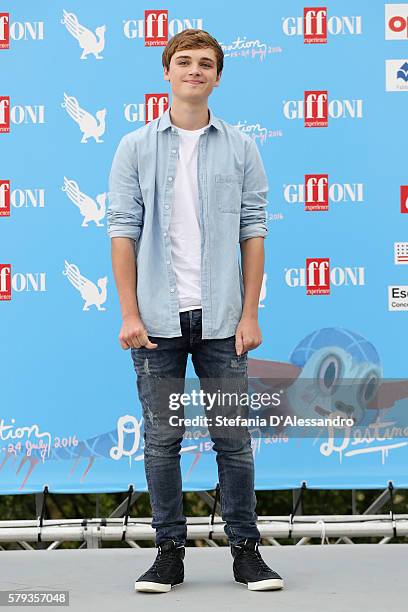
[248, 335]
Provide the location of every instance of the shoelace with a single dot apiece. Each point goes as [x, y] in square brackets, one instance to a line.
[164, 558]
[254, 559]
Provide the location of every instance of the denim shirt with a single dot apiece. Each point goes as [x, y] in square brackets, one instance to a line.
[232, 190]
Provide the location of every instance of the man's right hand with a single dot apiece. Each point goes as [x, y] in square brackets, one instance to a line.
[133, 334]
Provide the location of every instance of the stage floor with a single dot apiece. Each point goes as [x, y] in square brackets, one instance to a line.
[336, 578]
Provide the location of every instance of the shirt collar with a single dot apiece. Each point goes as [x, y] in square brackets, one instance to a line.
[165, 122]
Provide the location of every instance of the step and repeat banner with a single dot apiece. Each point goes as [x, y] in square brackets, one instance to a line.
[323, 92]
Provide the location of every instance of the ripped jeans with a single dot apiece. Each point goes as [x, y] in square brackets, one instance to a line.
[214, 361]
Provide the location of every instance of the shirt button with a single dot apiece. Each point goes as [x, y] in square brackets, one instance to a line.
[170, 178]
[174, 150]
[167, 206]
[172, 290]
[164, 233]
[168, 262]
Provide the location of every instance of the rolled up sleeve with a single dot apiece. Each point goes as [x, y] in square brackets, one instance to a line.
[126, 209]
[254, 195]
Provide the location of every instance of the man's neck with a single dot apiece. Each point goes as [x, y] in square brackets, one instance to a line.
[189, 117]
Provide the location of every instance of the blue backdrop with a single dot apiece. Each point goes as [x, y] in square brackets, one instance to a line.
[323, 92]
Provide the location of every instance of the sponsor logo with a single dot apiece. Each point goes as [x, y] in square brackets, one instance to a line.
[19, 282]
[91, 126]
[90, 209]
[18, 30]
[316, 189]
[398, 297]
[396, 75]
[5, 282]
[152, 108]
[315, 25]
[93, 294]
[4, 198]
[19, 198]
[404, 198]
[156, 28]
[91, 43]
[318, 276]
[155, 105]
[396, 21]
[4, 31]
[316, 192]
[4, 114]
[19, 114]
[315, 109]
[400, 253]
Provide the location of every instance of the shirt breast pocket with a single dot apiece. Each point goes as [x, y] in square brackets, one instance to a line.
[228, 192]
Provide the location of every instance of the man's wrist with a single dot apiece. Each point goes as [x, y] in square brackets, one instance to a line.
[130, 315]
[250, 315]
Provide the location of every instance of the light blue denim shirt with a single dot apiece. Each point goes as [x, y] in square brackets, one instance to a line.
[232, 189]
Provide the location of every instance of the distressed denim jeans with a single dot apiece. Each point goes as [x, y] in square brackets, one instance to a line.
[214, 360]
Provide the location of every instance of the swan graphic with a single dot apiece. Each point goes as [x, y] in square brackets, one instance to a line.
[90, 209]
[89, 126]
[88, 290]
[88, 41]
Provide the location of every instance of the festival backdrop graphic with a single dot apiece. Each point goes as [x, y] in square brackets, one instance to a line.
[322, 91]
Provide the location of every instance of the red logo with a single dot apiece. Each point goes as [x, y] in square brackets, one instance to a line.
[315, 108]
[5, 282]
[155, 105]
[318, 276]
[398, 24]
[404, 198]
[315, 24]
[4, 114]
[4, 198]
[156, 28]
[316, 192]
[4, 31]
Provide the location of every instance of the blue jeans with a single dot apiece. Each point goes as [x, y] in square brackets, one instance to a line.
[212, 360]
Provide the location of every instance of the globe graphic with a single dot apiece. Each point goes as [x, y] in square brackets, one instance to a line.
[358, 347]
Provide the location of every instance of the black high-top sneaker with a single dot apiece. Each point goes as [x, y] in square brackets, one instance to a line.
[249, 568]
[166, 571]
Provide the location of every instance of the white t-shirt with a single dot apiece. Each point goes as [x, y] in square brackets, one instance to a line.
[184, 228]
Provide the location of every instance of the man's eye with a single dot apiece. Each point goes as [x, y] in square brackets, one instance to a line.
[184, 62]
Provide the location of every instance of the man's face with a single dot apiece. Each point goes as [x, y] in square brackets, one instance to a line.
[193, 74]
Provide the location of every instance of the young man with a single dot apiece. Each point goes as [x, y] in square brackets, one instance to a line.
[184, 191]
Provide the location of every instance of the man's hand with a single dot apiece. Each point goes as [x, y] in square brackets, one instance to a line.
[133, 334]
[248, 335]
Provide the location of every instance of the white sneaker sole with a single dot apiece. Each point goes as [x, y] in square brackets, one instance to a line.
[154, 587]
[266, 585]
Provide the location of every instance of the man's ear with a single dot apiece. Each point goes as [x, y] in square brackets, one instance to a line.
[217, 82]
[166, 75]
